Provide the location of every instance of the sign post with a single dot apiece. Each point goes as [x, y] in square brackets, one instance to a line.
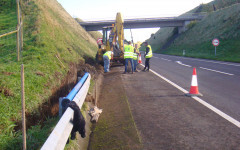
[99, 41]
[215, 43]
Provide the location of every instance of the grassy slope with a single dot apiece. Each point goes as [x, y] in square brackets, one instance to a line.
[49, 31]
[95, 34]
[8, 21]
[222, 24]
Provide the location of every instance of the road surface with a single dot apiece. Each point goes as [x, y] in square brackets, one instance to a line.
[219, 82]
[164, 117]
[168, 120]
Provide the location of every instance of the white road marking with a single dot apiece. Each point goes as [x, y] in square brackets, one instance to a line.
[216, 62]
[214, 109]
[180, 63]
[217, 71]
[165, 59]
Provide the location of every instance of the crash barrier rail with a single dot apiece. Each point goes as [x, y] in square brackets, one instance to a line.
[59, 136]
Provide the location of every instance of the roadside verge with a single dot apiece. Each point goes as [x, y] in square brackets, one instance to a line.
[116, 127]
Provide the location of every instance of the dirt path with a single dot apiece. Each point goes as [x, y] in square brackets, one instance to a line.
[168, 120]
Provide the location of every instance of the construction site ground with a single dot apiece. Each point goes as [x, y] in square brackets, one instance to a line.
[142, 111]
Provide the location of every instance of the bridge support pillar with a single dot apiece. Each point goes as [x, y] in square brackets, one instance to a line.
[184, 27]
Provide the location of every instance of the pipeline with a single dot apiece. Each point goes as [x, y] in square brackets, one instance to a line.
[59, 136]
[77, 87]
[72, 94]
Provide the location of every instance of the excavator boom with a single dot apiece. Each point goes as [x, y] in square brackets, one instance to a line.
[114, 42]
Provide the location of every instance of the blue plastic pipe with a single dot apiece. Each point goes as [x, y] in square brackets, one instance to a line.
[63, 104]
[77, 87]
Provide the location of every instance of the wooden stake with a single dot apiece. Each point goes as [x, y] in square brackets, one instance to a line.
[18, 44]
[95, 94]
[22, 34]
[60, 62]
[23, 109]
[6, 34]
[18, 26]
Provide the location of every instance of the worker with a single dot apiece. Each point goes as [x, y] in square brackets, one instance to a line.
[107, 56]
[128, 56]
[147, 55]
[135, 57]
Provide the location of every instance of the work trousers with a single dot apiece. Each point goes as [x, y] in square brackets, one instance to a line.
[126, 63]
[147, 63]
[135, 62]
[106, 63]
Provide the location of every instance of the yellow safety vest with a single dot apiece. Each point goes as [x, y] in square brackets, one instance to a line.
[149, 54]
[108, 54]
[137, 50]
[128, 53]
[135, 56]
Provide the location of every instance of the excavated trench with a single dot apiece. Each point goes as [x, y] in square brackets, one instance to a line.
[51, 106]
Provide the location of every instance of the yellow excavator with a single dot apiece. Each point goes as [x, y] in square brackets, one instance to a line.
[113, 38]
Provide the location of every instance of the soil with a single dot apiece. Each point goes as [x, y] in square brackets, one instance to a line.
[50, 108]
[6, 91]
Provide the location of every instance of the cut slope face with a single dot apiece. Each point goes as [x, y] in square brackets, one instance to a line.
[95, 34]
[222, 23]
[53, 44]
[59, 24]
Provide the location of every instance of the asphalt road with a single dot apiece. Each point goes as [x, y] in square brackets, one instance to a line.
[219, 82]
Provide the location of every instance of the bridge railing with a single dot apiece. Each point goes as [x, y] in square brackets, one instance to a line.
[59, 136]
[185, 16]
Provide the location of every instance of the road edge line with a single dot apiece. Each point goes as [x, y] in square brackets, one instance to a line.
[230, 74]
[209, 106]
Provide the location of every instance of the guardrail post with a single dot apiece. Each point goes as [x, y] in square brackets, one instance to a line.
[60, 107]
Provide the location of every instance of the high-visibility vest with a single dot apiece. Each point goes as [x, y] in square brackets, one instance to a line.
[108, 54]
[149, 54]
[128, 53]
[135, 56]
[137, 50]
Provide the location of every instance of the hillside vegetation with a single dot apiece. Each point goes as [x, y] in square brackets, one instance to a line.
[54, 44]
[95, 34]
[223, 24]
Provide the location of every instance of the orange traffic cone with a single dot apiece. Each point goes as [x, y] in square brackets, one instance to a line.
[140, 59]
[194, 85]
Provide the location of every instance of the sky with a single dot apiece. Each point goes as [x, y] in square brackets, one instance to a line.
[89, 10]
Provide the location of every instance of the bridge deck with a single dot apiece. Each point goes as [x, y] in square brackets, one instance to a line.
[142, 22]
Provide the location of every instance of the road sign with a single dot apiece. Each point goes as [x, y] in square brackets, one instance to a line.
[215, 42]
[99, 41]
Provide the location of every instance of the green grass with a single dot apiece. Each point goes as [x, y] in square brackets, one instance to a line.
[48, 31]
[222, 24]
[8, 23]
[228, 50]
[116, 128]
[95, 34]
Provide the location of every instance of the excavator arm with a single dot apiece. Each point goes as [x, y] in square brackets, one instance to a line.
[114, 42]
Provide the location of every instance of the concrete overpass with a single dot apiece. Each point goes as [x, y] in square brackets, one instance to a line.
[179, 22]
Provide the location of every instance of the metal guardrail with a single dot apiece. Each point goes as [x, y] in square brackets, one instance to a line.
[59, 136]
